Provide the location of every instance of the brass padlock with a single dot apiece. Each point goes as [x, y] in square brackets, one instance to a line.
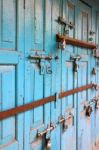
[48, 144]
[88, 111]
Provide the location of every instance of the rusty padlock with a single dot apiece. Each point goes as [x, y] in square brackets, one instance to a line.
[48, 144]
[88, 111]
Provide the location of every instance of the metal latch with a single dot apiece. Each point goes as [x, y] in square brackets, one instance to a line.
[96, 86]
[64, 120]
[63, 22]
[96, 53]
[40, 60]
[75, 64]
[46, 131]
[88, 110]
[39, 57]
[96, 101]
[47, 139]
[92, 33]
[94, 71]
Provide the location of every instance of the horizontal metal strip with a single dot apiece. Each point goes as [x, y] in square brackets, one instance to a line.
[26, 107]
[76, 42]
[76, 90]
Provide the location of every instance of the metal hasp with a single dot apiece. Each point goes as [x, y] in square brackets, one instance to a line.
[96, 86]
[92, 33]
[40, 57]
[46, 131]
[75, 42]
[96, 101]
[64, 23]
[88, 110]
[40, 60]
[96, 53]
[64, 120]
[94, 71]
[76, 62]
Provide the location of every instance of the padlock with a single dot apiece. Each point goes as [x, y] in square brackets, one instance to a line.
[90, 39]
[96, 86]
[88, 111]
[76, 66]
[64, 121]
[65, 126]
[48, 144]
[97, 104]
[62, 44]
[92, 32]
[94, 71]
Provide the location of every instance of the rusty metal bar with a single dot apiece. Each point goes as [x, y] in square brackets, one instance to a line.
[26, 107]
[76, 90]
[76, 42]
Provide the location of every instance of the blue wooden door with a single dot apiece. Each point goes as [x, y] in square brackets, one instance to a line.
[84, 123]
[37, 79]
[11, 72]
[69, 81]
[68, 136]
[97, 80]
[56, 74]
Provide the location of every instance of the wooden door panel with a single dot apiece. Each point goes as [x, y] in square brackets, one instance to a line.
[7, 24]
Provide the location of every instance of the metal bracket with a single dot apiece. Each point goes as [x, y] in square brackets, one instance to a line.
[75, 64]
[92, 33]
[46, 131]
[96, 53]
[56, 98]
[63, 22]
[63, 120]
[95, 86]
[39, 59]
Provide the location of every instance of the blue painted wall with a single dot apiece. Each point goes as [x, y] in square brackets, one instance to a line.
[29, 27]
